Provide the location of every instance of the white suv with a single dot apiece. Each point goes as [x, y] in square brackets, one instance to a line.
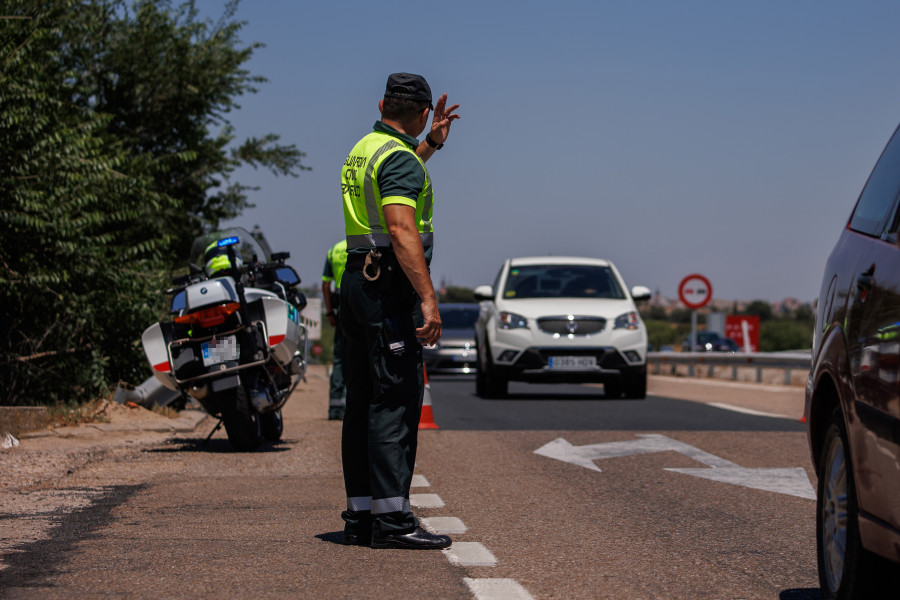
[561, 319]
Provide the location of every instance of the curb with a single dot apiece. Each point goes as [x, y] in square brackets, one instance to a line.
[187, 422]
[17, 420]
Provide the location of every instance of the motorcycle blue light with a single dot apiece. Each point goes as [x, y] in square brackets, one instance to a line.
[228, 241]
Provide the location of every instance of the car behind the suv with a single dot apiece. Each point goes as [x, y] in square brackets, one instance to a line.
[455, 351]
[853, 396]
[710, 341]
[561, 319]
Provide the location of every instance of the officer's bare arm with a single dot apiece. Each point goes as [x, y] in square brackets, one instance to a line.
[401, 224]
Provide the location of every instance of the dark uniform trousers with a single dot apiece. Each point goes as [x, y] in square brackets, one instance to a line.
[337, 393]
[384, 396]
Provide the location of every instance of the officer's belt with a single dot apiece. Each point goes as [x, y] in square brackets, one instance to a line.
[356, 260]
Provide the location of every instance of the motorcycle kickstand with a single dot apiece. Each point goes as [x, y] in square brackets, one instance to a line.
[215, 429]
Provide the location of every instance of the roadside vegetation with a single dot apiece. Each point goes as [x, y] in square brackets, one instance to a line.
[115, 152]
[785, 330]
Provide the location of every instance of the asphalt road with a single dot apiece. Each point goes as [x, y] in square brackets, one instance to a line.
[585, 407]
[554, 493]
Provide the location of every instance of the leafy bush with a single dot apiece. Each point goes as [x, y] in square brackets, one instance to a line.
[108, 169]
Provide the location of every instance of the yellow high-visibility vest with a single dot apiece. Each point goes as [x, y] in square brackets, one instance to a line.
[363, 214]
[337, 258]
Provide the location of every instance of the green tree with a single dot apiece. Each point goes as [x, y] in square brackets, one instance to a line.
[784, 334]
[455, 293]
[663, 333]
[657, 313]
[805, 313]
[115, 151]
[760, 308]
[80, 259]
[168, 79]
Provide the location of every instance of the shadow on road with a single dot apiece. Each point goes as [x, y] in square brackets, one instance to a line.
[801, 594]
[32, 564]
[219, 446]
[332, 537]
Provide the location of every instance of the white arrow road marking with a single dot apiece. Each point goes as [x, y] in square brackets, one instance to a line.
[585, 456]
[791, 481]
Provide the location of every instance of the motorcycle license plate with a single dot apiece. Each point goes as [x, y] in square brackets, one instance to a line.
[220, 350]
[572, 362]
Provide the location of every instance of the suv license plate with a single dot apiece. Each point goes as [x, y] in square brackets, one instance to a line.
[219, 351]
[572, 362]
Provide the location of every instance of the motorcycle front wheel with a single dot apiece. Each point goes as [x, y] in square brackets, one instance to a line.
[242, 422]
[272, 425]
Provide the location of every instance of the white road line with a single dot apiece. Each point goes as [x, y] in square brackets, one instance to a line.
[497, 589]
[426, 500]
[470, 554]
[466, 554]
[443, 525]
[747, 411]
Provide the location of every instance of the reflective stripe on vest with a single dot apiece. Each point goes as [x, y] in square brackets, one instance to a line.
[363, 215]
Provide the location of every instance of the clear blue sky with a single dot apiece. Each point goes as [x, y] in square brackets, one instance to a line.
[723, 138]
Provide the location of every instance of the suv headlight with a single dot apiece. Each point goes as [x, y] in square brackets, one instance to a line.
[627, 321]
[510, 320]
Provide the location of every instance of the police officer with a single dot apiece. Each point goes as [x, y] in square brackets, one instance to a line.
[335, 261]
[388, 310]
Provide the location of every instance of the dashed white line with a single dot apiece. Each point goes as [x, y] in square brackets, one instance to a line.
[497, 589]
[426, 500]
[470, 554]
[444, 525]
[747, 411]
[466, 554]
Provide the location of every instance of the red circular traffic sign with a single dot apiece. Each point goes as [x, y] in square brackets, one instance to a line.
[695, 291]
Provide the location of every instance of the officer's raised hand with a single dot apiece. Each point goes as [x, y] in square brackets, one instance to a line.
[443, 117]
[440, 128]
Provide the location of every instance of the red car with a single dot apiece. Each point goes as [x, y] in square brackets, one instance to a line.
[853, 396]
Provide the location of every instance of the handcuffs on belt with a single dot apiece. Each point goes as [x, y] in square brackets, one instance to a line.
[373, 259]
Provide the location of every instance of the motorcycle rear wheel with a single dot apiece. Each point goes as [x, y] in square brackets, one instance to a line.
[272, 425]
[242, 422]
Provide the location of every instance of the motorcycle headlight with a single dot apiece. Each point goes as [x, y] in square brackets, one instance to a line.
[510, 320]
[627, 321]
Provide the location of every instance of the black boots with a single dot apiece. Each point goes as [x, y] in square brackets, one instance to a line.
[416, 540]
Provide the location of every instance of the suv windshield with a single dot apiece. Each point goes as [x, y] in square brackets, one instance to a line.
[562, 281]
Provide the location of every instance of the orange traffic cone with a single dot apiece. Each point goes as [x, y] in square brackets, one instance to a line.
[426, 421]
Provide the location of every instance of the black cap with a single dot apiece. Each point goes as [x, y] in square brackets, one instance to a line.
[408, 87]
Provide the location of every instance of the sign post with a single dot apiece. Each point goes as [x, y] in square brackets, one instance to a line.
[695, 292]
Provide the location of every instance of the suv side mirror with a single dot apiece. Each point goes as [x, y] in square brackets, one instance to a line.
[640, 293]
[484, 292]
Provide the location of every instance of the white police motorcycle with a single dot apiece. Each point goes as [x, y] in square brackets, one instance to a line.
[236, 343]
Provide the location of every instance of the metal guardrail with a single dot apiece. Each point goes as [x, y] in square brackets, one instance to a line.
[788, 361]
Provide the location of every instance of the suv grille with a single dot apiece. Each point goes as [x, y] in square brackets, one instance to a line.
[574, 326]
